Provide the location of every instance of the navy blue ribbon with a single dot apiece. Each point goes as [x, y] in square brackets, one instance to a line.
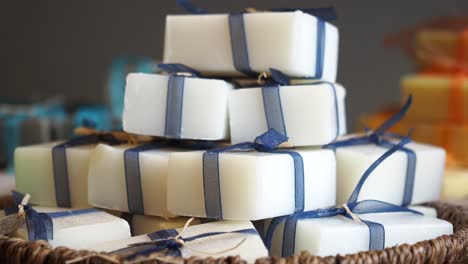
[60, 164]
[165, 240]
[272, 101]
[133, 174]
[266, 142]
[240, 50]
[376, 230]
[40, 225]
[381, 137]
[175, 97]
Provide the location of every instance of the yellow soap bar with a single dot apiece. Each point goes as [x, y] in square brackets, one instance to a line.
[440, 44]
[432, 99]
[455, 183]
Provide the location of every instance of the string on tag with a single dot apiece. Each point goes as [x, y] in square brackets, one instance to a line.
[349, 212]
[179, 240]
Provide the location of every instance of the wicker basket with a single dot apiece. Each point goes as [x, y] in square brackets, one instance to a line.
[444, 249]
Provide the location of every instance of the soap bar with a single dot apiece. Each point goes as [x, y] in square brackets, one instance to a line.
[341, 235]
[455, 184]
[387, 182]
[452, 137]
[199, 110]
[441, 44]
[81, 229]
[108, 183]
[291, 42]
[250, 246]
[443, 91]
[312, 114]
[144, 224]
[35, 175]
[253, 185]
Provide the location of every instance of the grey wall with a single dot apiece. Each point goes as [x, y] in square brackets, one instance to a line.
[58, 47]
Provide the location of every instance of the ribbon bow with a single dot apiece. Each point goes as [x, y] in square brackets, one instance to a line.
[267, 142]
[178, 69]
[382, 138]
[172, 242]
[40, 225]
[349, 210]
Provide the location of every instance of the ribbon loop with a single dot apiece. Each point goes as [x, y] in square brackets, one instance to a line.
[178, 69]
[376, 230]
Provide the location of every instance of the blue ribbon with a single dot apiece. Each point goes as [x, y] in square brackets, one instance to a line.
[165, 240]
[266, 142]
[175, 97]
[60, 164]
[133, 173]
[376, 230]
[272, 101]
[380, 137]
[40, 225]
[240, 50]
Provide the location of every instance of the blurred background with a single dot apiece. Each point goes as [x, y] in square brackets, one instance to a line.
[63, 65]
[65, 48]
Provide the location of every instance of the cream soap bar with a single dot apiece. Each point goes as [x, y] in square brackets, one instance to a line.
[312, 114]
[242, 233]
[81, 229]
[288, 41]
[35, 174]
[253, 185]
[144, 224]
[108, 183]
[199, 110]
[387, 182]
[341, 235]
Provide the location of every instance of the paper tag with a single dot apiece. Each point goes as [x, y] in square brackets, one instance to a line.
[10, 224]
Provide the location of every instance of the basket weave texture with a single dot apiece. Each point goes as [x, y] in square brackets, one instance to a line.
[444, 249]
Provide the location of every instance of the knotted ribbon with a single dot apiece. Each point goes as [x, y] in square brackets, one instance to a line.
[240, 49]
[267, 142]
[133, 173]
[60, 163]
[175, 96]
[272, 100]
[381, 137]
[40, 225]
[171, 242]
[352, 207]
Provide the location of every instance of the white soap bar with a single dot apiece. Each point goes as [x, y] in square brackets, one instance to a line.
[143, 224]
[425, 210]
[309, 113]
[34, 174]
[107, 180]
[286, 41]
[7, 184]
[82, 231]
[204, 107]
[455, 184]
[341, 235]
[386, 183]
[250, 249]
[253, 185]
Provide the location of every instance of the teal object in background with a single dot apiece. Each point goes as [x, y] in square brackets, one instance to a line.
[119, 69]
[97, 117]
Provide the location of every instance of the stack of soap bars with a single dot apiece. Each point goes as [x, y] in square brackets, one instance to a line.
[244, 123]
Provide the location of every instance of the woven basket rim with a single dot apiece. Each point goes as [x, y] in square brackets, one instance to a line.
[445, 249]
